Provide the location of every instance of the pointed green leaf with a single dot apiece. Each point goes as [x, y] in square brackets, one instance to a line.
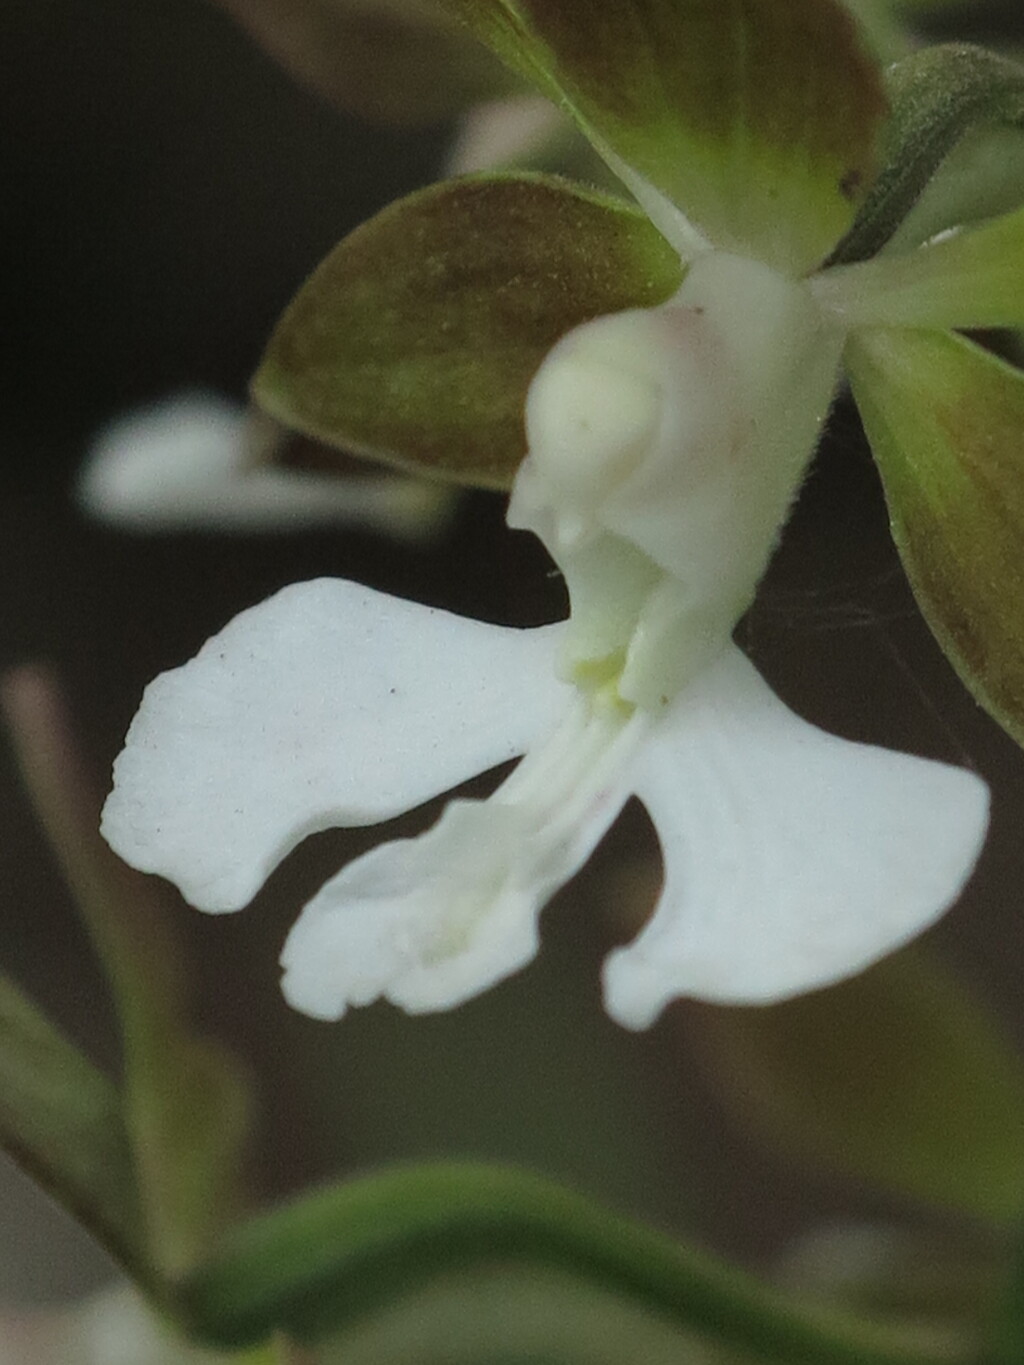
[756, 119]
[971, 278]
[184, 1097]
[946, 423]
[61, 1119]
[315, 1266]
[896, 1076]
[395, 61]
[954, 107]
[416, 339]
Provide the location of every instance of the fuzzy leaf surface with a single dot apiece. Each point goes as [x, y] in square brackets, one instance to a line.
[416, 339]
[945, 100]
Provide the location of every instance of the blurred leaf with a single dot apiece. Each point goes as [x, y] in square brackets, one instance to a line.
[327, 1261]
[1008, 1327]
[393, 61]
[972, 278]
[61, 1120]
[895, 1076]
[758, 120]
[940, 97]
[416, 339]
[946, 423]
[494, 1315]
[185, 1099]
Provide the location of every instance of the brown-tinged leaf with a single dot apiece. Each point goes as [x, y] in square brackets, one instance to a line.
[946, 423]
[416, 339]
[757, 118]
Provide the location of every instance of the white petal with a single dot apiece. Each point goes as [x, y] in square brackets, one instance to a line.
[328, 704]
[426, 923]
[429, 922]
[188, 463]
[792, 858]
[503, 132]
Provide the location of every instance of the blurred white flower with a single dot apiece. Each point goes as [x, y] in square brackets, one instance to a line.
[113, 1327]
[197, 462]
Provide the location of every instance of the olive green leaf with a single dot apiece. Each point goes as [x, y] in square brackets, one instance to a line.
[61, 1119]
[416, 339]
[756, 119]
[892, 1076]
[953, 149]
[946, 423]
[394, 61]
[324, 1262]
[973, 277]
[183, 1097]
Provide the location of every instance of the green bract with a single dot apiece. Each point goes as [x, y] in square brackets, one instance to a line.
[750, 128]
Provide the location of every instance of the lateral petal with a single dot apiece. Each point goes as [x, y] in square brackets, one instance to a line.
[328, 704]
[792, 858]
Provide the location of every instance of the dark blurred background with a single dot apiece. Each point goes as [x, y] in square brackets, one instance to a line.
[165, 189]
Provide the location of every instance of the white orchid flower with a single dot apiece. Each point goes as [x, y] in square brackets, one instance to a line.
[665, 448]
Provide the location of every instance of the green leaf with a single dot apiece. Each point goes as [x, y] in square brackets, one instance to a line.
[416, 339]
[184, 1103]
[946, 423]
[394, 61]
[972, 278]
[756, 119]
[896, 1076]
[951, 104]
[320, 1264]
[61, 1119]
